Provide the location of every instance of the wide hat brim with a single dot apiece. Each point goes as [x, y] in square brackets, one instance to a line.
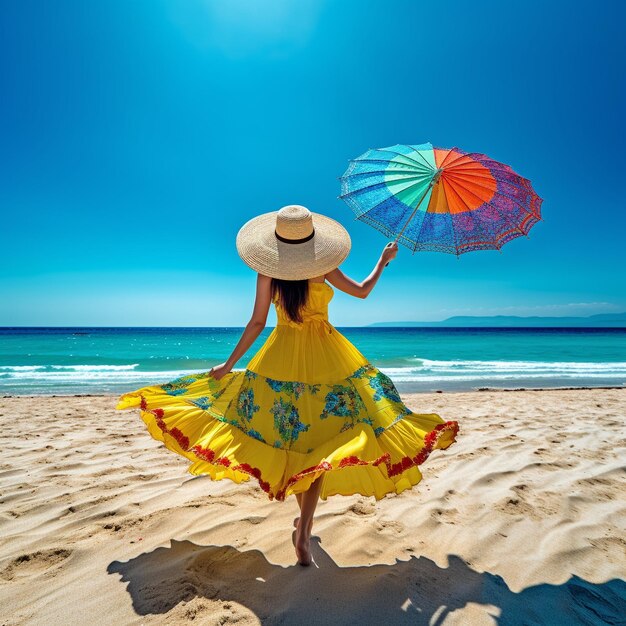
[261, 250]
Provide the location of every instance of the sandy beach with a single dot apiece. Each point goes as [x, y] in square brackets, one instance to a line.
[522, 521]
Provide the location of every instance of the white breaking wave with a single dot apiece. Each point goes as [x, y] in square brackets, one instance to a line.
[423, 374]
[70, 368]
[429, 370]
[89, 375]
[95, 368]
[560, 366]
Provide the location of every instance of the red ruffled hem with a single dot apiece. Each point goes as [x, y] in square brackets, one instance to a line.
[393, 469]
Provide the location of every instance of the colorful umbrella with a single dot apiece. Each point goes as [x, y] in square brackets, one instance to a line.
[440, 199]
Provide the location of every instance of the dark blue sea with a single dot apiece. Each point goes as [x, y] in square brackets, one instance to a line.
[114, 360]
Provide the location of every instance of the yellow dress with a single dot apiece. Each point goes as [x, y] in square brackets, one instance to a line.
[307, 404]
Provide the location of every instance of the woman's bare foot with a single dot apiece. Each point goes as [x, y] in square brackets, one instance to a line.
[304, 524]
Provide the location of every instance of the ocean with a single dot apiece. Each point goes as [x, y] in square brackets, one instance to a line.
[114, 360]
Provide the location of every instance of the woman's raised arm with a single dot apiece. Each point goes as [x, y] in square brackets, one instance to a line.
[361, 290]
[253, 328]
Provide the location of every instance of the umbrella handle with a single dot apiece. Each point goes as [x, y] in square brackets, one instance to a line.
[434, 179]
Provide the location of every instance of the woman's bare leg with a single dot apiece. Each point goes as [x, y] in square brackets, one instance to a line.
[308, 504]
[297, 519]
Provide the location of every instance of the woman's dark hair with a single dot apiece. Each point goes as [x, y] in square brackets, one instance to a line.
[292, 295]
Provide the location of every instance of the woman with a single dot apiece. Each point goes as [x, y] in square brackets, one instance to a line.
[309, 416]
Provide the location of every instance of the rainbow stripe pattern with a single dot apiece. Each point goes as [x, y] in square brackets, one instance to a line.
[440, 199]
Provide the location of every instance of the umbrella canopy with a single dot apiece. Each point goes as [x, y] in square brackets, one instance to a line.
[441, 199]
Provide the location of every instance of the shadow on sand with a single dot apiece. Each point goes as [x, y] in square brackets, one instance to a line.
[416, 591]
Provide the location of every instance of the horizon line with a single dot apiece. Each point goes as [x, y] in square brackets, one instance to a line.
[335, 325]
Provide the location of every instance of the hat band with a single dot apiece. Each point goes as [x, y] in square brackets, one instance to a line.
[285, 240]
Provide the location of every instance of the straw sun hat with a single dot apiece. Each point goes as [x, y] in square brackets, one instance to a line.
[293, 243]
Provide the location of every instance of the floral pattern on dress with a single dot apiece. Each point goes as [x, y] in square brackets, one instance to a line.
[366, 397]
[225, 420]
[179, 385]
[256, 435]
[342, 401]
[245, 405]
[363, 370]
[245, 408]
[381, 429]
[384, 388]
[406, 411]
[292, 387]
[204, 402]
[287, 420]
[295, 388]
[175, 387]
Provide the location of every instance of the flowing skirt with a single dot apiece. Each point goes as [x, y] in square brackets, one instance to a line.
[308, 404]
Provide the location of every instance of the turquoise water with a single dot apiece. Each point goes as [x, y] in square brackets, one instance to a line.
[114, 360]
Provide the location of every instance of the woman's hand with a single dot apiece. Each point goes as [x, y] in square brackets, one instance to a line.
[219, 371]
[389, 252]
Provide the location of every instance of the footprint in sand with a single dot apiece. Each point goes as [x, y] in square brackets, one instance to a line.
[34, 563]
[362, 507]
[445, 516]
[390, 525]
[513, 506]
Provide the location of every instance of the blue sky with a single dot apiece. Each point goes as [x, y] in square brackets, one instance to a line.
[137, 137]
